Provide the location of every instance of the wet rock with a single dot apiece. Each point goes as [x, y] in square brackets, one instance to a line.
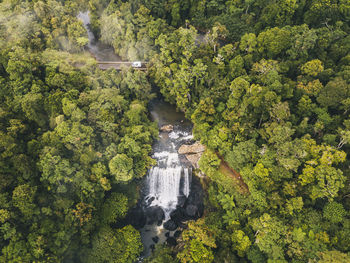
[171, 241]
[155, 239]
[167, 234]
[154, 214]
[196, 194]
[181, 201]
[177, 233]
[197, 147]
[178, 215]
[167, 128]
[170, 225]
[200, 210]
[194, 206]
[150, 200]
[192, 211]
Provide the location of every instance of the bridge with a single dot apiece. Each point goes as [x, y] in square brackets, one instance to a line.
[104, 65]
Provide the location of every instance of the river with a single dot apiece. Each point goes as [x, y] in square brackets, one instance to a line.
[99, 50]
[167, 184]
[167, 196]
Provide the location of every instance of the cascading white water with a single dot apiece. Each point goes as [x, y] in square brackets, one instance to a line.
[164, 185]
[168, 183]
[186, 182]
[170, 178]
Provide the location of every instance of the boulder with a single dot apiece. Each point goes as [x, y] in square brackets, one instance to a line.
[181, 199]
[171, 241]
[192, 211]
[155, 239]
[167, 234]
[167, 128]
[197, 147]
[154, 214]
[183, 225]
[194, 205]
[152, 247]
[192, 152]
[200, 210]
[170, 225]
[178, 215]
[196, 194]
[193, 159]
[160, 214]
[149, 200]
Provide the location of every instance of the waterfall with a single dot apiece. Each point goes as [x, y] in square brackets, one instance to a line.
[170, 178]
[164, 185]
[186, 187]
[167, 186]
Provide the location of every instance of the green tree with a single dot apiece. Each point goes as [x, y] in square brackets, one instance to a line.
[114, 207]
[334, 92]
[273, 42]
[161, 254]
[241, 242]
[23, 199]
[334, 212]
[270, 232]
[248, 43]
[119, 246]
[121, 166]
[312, 68]
[333, 256]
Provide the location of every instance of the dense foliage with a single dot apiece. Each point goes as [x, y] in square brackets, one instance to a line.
[72, 141]
[267, 87]
[274, 107]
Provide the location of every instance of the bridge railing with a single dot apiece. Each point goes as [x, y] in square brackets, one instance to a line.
[104, 65]
[120, 62]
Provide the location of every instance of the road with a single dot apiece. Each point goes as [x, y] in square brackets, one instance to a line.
[104, 54]
[119, 64]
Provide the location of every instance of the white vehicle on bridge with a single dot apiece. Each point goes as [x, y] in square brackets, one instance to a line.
[136, 64]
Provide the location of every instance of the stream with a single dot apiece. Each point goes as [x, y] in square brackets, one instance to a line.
[170, 195]
[99, 50]
[168, 184]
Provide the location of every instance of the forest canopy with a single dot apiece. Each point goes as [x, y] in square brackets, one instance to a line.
[265, 83]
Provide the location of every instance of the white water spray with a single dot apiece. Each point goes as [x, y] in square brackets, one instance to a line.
[187, 182]
[169, 179]
[164, 185]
